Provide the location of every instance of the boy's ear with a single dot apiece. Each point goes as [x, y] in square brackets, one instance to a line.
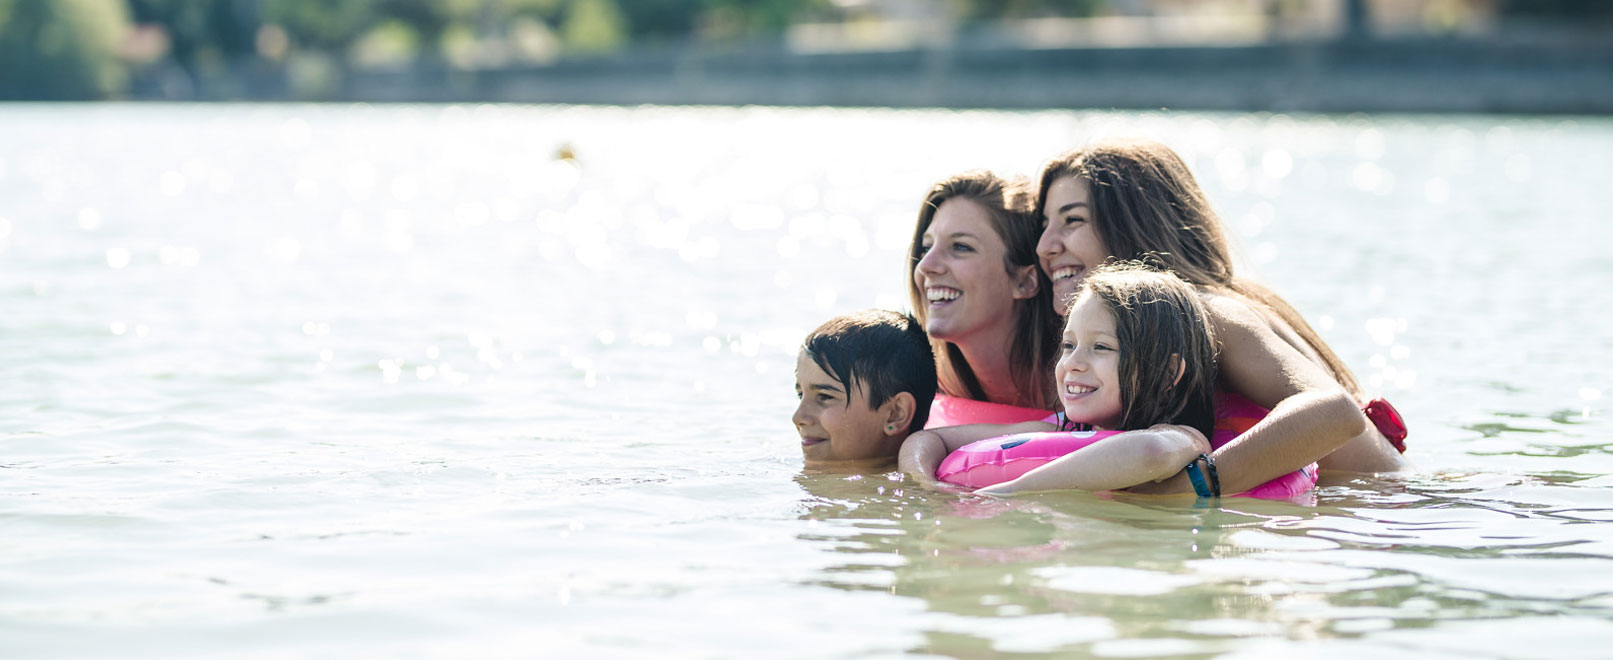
[1181, 368]
[1025, 283]
[898, 413]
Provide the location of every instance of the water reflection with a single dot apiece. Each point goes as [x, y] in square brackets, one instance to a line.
[1082, 573]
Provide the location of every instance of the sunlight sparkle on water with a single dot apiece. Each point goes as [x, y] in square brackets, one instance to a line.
[359, 179]
[174, 255]
[1276, 163]
[1373, 178]
[788, 247]
[1371, 144]
[1437, 190]
[285, 248]
[172, 184]
[295, 134]
[1518, 168]
[1383, 330]
[89, 219]
[1114, 580]
[701, 319]
[1230, 165]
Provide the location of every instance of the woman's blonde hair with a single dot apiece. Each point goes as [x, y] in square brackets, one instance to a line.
[1036, 328]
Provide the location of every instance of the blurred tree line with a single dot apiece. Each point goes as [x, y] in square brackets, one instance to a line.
[84, 49]
[94, 49]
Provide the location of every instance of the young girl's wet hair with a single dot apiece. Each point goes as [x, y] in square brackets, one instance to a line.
[1008, 203]
[1162, 328]
[1145, 203]
[887, 353]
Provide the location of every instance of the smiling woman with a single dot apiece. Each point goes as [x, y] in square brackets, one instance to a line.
[974, 284]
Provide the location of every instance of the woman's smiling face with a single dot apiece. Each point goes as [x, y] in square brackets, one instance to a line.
[1070, 246]
[963, 274]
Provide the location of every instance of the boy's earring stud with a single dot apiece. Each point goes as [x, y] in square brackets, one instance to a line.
[890, 428]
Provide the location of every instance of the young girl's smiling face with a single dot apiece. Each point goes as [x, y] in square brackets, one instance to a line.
[1088, 371]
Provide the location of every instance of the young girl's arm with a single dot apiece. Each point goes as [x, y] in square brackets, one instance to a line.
[1115, 462]
[922, 452]
[1311, 414]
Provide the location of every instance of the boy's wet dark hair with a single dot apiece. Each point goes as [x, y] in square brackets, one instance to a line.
[886, 352]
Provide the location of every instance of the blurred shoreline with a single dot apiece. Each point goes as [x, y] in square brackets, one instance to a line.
[1326, 56]
[1337, 76]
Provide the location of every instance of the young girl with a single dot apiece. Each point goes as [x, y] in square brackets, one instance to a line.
[1137, 354]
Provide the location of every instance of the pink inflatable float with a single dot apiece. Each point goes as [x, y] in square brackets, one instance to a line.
[996, 460]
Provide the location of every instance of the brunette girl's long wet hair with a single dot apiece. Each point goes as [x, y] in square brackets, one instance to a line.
[1163, 330]
[1145, 203]
[1036, 328]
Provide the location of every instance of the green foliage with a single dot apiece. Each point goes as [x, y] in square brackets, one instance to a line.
[320, 25]
[389, 42]
[1000, 9]
[593, 26]
[1577, 10]
[61, 49]
[660, 20]
[224, 27]
[764, 17]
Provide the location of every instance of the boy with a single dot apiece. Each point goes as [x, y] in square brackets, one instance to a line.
[865, 381]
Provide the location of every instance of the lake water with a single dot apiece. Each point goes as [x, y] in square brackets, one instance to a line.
[333, 381]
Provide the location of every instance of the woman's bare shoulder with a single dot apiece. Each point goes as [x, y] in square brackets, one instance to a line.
[1236, 319]
[1258, 359]
[1229, 311]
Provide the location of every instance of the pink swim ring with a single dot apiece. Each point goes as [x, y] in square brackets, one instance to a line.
[996, 460]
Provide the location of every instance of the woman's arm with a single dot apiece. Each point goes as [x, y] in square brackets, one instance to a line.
[1118, 461]
[922, 452]
[1311, 414]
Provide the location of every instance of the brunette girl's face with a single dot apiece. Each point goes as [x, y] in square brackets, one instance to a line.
[1088, 370]
[967, 289]
[1070, 246]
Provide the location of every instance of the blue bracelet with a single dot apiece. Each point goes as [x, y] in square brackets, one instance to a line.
[1210, 487]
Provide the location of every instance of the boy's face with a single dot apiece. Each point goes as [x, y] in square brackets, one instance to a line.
[835, 422]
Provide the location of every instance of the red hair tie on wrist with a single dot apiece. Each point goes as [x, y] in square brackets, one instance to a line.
[1387, 419]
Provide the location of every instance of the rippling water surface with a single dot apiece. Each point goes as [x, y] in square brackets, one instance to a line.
[325, 380]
